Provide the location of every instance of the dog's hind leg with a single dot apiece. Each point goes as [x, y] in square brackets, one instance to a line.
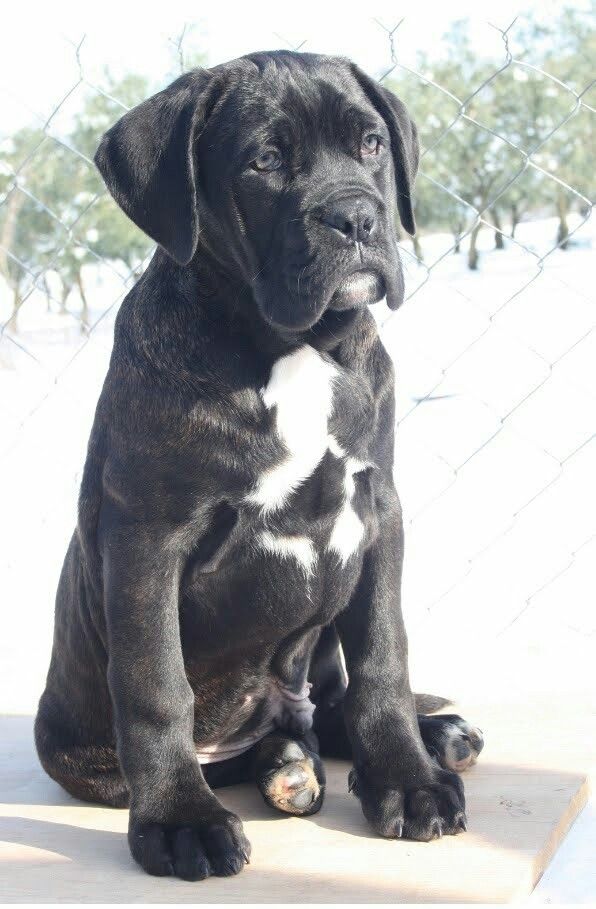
[327, 672]
[450, 740]
[453, 742]
[289, 773]
[87, 771]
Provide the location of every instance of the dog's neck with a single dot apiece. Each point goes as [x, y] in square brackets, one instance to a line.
[225, 295]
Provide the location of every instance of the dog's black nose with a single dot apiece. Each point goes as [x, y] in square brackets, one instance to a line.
[352, 217]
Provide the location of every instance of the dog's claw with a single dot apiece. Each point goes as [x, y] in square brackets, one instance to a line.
[436, 829]
[246, 857]
[399, 829]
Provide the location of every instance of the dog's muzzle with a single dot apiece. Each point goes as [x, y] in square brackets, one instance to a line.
[359, 289]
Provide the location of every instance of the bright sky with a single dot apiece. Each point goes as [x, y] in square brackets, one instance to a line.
[37, 60]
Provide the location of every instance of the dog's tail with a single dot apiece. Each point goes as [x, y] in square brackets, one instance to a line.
[429, 703]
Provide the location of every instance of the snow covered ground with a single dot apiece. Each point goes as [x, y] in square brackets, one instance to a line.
[496, 456]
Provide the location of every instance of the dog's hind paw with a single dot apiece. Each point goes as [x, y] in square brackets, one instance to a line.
[454, 743]
[294, 781]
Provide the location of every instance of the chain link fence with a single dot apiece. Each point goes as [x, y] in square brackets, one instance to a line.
[494, 349]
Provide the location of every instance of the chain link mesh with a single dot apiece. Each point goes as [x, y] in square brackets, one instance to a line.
[496, 418]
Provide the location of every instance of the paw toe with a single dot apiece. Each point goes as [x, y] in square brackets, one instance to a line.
[227, 848]
[149, 847]
[190, 861]
[422, 818]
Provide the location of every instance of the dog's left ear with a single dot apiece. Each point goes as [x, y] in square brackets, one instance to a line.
[147, 160]
[404, 142]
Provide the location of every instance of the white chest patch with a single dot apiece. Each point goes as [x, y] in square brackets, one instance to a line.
[300, 548]
[348, 529]
[301, 390]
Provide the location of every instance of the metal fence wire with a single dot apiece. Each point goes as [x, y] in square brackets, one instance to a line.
[494, 348]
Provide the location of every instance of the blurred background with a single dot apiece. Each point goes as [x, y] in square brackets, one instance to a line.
[495, 348]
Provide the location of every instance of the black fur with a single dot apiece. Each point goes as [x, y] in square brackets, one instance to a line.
[170, 621]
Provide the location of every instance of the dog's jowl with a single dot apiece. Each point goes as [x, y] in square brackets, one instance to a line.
[238, 524]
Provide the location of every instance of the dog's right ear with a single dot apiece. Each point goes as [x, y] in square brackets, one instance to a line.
[147, 160]
[404, 142]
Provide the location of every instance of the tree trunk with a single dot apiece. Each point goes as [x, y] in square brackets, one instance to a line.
[63, 298]
[473, 251]
[514, 219]
[563, 229]
[499, 240]
[12, 324]
[456, 232]
[417, 248]
[14, 203]
[85, 302]
[46, 290]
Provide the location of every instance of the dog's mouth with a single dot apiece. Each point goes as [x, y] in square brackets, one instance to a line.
[359, 289]
[325, 296]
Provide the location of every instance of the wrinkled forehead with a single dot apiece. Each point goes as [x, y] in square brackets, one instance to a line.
[318, 103]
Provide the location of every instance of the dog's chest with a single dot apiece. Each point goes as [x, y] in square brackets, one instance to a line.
[306, 398]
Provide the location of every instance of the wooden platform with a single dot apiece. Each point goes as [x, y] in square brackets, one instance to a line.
[522, 797]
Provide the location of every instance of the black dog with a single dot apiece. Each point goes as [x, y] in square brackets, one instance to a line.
[237, 515]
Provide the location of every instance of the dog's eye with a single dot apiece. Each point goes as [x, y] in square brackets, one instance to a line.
[267, 160]
[371, 144]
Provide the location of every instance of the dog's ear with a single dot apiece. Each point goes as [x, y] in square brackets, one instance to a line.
[404, 142]
[147, 160]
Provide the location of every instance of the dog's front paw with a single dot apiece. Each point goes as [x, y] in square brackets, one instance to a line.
[419, 812]
[215, 844]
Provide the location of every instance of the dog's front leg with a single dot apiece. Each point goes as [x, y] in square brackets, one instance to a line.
[177, 826]
[402, 791]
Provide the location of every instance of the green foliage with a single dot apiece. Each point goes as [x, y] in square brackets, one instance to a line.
[523, 116]
[56, 217]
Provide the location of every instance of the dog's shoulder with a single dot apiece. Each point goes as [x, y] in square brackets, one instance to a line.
[175, 359]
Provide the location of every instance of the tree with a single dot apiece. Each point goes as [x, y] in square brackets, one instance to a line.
[48, 187]
[524, 106]
[56, 217]
[566, 51]
[32, 182]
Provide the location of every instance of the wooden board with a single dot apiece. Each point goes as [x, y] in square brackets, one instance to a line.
[522, 797]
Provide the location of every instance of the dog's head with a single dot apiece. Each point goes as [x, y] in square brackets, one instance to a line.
[289, 168]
